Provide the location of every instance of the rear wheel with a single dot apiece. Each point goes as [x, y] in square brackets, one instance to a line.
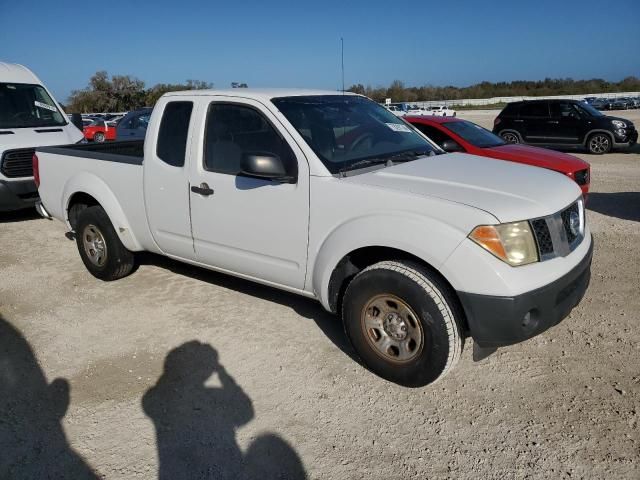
[599, 143]
[510, 137]
[403, 323]
[100, 248]
[99, 137]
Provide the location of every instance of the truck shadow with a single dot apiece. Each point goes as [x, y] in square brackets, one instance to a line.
[19, 216]
[307, 308]
[196, 424]
[32, 441]
[623, 205]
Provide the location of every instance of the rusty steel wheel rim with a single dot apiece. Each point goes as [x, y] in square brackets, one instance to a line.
[392, 328]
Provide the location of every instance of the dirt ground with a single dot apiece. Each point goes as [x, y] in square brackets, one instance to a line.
[244, 377]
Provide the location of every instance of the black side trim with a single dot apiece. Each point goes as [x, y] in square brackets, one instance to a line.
[498, 321]
[48, 130]
[6, 132]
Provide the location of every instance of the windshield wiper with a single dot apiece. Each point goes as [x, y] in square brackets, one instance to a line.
[388, 160]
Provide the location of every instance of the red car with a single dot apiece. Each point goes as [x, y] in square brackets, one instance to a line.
[457, 135]
[99, 131]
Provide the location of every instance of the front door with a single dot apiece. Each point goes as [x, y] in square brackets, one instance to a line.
[250, 226]
[566, 122]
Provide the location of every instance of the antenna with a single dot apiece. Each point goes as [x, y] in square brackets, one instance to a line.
[342, 55]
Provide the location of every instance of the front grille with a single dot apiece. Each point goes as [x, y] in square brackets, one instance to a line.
[582, 176]
[566, 222]
[554, 234]
[17, 163]
[543, 237]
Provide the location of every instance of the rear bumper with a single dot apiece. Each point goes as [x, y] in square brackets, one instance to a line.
[16, 195]
[498, 321]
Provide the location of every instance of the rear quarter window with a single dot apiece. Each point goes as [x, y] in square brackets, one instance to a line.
[511, 110]
[172, 136]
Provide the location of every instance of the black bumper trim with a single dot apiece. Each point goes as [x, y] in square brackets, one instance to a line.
[17, 195]
[498, 321]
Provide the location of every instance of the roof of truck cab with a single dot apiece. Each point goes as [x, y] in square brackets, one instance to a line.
[263, 94]
[14, 73]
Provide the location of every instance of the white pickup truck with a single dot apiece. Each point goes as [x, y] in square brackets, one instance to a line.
[334, 198]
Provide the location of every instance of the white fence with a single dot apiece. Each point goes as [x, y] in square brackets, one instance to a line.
[494, 100]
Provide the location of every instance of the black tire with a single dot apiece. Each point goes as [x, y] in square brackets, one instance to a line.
[599, 143]
[510, 137]
[437, 313]
[94, 229]
[99, 137]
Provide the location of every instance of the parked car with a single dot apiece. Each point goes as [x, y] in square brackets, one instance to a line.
[133, 126]
[29, 117]
[563, 123]
[414, 248]
[442, 111]
[99, 131]
[620, 104]
[590, 100]
[602, 104]
[457, 135]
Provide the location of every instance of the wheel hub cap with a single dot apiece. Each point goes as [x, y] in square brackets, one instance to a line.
[392, 328]
[395, 326]
[94, 245]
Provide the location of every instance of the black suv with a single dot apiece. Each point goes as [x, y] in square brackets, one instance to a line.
[563, 123]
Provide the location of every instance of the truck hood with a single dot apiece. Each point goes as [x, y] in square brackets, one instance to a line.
[509, 191]
[32, 138]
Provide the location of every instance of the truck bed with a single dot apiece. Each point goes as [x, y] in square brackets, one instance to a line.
[131, 152]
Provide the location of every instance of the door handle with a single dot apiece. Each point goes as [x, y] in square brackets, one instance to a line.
[203, 189]
[518, 120]
[553, 121]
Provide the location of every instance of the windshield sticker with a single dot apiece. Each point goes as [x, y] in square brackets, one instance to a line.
[45, 106]
[398, 127]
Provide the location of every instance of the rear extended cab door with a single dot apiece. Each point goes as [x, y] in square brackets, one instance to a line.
[256, 228]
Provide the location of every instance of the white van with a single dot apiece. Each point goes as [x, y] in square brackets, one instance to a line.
[29, 118]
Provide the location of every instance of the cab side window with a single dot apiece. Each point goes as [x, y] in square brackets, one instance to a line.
[235, 130]
[535, 109]
[172, 136]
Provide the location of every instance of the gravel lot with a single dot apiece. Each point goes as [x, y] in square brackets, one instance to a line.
[258, 377]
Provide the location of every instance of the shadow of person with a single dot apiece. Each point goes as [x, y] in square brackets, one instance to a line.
[196, 425]
[32, 442]
[623, 205]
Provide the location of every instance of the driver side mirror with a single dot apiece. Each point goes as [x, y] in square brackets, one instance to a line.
[451, 146]
[265, 165]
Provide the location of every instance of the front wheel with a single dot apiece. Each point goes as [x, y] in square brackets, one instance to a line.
[100, 248]
[403, 323]
[599, 143]
[99, 137]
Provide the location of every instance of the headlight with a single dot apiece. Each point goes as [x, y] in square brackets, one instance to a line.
[512, 243]
[619, 124]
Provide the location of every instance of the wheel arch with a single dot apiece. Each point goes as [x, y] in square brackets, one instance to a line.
[598, 130]
[357, 246]
[86, 190]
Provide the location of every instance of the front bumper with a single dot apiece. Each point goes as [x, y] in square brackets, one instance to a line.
[17, 195]
[628, 140]
[498, 321]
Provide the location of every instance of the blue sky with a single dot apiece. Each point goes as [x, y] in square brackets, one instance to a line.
[283, 43]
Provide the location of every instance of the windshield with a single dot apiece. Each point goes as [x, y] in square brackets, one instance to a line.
[474, 134]
[346, 129]
[590, 110]
[23, 105]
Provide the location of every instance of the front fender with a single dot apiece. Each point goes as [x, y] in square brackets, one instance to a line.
[426, 238]
[85, 182]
